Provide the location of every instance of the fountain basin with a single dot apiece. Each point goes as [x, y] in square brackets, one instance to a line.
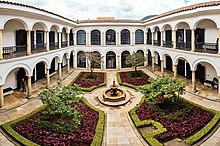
[109, 96]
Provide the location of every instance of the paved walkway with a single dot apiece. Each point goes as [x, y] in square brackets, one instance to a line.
[119, 129]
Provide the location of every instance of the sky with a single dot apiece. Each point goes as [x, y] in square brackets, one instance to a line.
[120, 9]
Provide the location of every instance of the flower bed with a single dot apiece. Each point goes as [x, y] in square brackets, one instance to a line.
[128, 78]
[89, 132]
[182, 127]
[87, 84]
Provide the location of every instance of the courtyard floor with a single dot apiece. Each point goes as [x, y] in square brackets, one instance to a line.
[119, 129]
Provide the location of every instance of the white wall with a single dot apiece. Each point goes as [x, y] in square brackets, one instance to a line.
[11, 80]
[9, 32]
[210, 72]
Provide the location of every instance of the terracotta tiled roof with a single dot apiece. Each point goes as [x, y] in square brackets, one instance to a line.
[187, 8]
[28, 6]
[111, 21]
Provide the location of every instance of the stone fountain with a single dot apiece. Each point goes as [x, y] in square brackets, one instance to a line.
[114, 96]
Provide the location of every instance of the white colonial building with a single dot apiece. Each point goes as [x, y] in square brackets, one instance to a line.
[36, 44]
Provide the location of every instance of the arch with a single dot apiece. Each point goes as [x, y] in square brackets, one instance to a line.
[176, 58]
[55, 26]
[194, 65]
[17, 19]
[110, 37]
[142, 52]
[124, 55]
[44, 60]
[168, 61]
[81, 37]
[139, 36]
[125, 37]
[210, 19]
[40, 23]
[157, 56]
[166, 27]
[95, 37]
[21, 65]
[81, 59]
[56, 56]
[98, 63]
[110, 60]
[66, 29]
[182, 24]
[155, 28]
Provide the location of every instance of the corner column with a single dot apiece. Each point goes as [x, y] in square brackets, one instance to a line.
[1, 96]
[152, 37]
[117, 41]
[60, 71]
[133, 39]
[28, 42]
[48, 41]
[103, 39]
[1, 49]
[153, 61]
[60, 41]
[162, 67]
[174, 39]
[48, 78]
[68, 39]
[174, 71]
[162, 38]
[193, 80]
[29, 86]
[193, 40]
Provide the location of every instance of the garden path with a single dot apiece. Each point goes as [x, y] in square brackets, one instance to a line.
[119, 129]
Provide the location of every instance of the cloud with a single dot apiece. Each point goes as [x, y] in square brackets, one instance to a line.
[90, 9]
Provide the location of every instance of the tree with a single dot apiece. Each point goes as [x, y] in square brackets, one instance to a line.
[93, 59]
[163, 89]
[60, 115]
[135, 60]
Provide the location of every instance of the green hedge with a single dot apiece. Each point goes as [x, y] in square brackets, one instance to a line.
[149, 136]
[93, 87]
[97, 140]
[126, 84]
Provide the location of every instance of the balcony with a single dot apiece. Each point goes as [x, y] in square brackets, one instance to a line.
[54, 45]
[71, 43]
[211, 48]
[149, 42]
[183, 46]
[38, 48]
[14, 51]
[64, 44]
[157, 43]
[168, 44]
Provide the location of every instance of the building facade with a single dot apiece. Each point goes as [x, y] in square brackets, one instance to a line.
[36, 44]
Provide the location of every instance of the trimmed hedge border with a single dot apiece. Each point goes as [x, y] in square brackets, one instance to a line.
[149, 136]
[126, 84]
[93, 87]
[97, 140]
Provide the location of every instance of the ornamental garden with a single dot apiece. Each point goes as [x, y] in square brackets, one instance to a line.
[67, 118]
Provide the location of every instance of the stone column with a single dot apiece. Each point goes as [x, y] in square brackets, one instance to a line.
[102, 63]
[146, 60]
[28, 42]
[48, 77]
[174, 71]
[219, 41]
[103, 39]
[87, 39]
[29, 86]
[1, 49]
[133, 38]
[152, 37]
[162, 38]
[153, 61]
[68, 39]
[48, 41]
[194, 80]
[192, 40]
[118, 35]
[174, 39]
[60, 70]
[162, 67]
[119, 65]
[73, 61]
[68, 65]
[60, 41]
[1, 96]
